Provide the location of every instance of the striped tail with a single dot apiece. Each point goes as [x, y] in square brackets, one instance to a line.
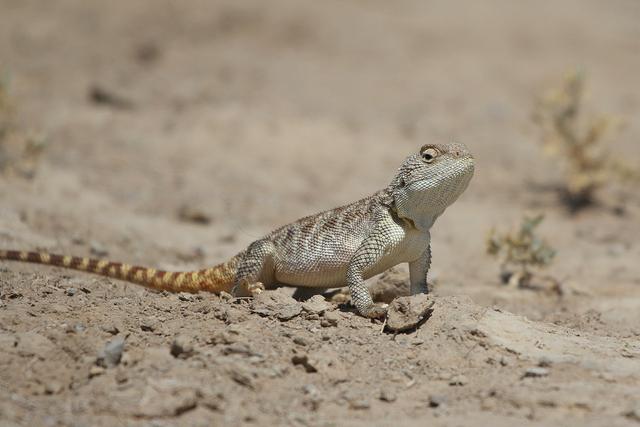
[215, 279]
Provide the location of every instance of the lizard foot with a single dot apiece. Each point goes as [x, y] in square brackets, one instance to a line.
[255, 288]
[245, 289]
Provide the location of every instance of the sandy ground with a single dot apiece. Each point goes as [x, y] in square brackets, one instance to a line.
[256, 113]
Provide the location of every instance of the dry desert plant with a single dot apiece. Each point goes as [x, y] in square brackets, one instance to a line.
[520, 251]
[581, 142]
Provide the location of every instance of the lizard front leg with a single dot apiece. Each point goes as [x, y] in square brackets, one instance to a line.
[366, 256]
[255, 270]
[418, 270]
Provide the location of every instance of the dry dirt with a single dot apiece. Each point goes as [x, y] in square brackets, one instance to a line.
[161, 115]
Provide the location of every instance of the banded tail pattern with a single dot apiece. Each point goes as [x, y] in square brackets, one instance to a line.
[215, 279]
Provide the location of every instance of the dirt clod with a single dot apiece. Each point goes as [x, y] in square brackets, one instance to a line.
[181, 347]
[111, 354]
[276, 304]
[388, 395]
[437, 400]
[317, 304]
[405, 313]
[536, 372]
[331, 318]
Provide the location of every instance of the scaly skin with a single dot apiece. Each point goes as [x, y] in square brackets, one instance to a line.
[345, 245]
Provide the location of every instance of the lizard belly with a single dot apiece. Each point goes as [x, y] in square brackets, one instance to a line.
[322, 264]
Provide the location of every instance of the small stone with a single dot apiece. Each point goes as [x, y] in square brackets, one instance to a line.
[359, 404]
[288, 312]
[436, 401]
[303, 360]
[53, 387]
[111, 329]
[71, 291]
[276, 303]
[185, 296]
[331, 318]
[387, 395]
[121, 376]
[148, 324]
[189, 213]
[406, 313]
[310, 389]
[536, 372]
[111, 353]
[77, 328]
[316, 305]
[300, 341]
[633, 414]
[97, 249]
[237, 348]
[544, 362]
[241, 376]
[488, 404]
[95, 371]
[225, 296]
[181, 347]
[458, 380]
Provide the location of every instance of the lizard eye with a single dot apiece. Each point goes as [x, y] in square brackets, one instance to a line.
[429, 154]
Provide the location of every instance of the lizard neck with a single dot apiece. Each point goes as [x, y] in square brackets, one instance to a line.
[423, 204]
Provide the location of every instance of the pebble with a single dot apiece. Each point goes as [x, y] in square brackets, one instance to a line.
[536, 372]
[303, 359]
[76, 328]
[300, 341]
[544, 362]
[71, 291]
[316, 305]
[111, 354]
[359, 404]
[181, 347]
[288, 312]
[633, 414]
[95, 371]
[111, 329]
[148, 324]
[436, 400]
[53, 387]
[185, 296]
[98, 250]
[387, 395]
[331, 318]
[458, 380]
[276, 303]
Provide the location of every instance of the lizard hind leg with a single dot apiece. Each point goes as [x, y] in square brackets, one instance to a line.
[256, 270]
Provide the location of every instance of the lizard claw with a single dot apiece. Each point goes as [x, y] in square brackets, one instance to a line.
[245, 289]
[255, 288]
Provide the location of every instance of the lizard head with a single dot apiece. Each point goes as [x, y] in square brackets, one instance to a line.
[430, 180]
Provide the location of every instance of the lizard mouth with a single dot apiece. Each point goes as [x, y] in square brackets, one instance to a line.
[461, 170]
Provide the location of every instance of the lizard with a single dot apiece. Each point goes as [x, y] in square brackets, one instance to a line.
[345, 245]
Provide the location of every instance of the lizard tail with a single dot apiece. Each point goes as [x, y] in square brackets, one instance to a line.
[215, 279]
